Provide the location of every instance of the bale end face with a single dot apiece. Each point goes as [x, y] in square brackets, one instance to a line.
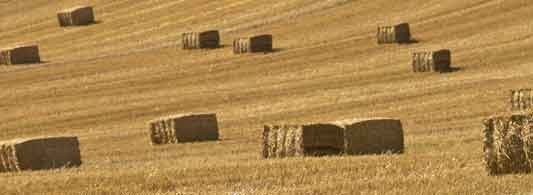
[261, 43]
[402, 33]
[442, 60]
[521, 99]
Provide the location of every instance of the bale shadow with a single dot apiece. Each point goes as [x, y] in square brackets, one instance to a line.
[411, 41]
[29, 63]
[276, 50]
[96, 22]
[451, 70]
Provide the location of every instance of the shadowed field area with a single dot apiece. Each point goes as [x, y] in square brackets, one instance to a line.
[103, 82]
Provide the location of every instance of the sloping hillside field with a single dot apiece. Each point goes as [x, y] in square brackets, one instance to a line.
[104, 82]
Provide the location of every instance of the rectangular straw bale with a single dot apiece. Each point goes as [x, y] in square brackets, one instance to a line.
[24, 54]
[80, 15]
[260, 43]
[202, 40]
[184, 128]
[521, 99]
[39, 153]
[301, 140]
[508, 143]
[437, 61]
[400, 33]
[372, 136]
[349, 137]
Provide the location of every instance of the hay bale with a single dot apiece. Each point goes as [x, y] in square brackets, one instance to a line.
[76, 16]
[301, 140]
[350, 137]
[521, 99]
[39, 153]
[25, 54]
[201, 40]
[184, 128]
[260, 43]
[372, 136]
[508, 144]
[400, 33]
[437, 61]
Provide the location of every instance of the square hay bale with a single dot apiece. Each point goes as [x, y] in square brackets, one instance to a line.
[260, 43]
[400, 33]
[349, 137]
[372, 136]
[301, 140]
[202, 40]
[437, 61]
[508, 144]
[25, 54]
[39, 153]
[184, 128]
[521, 99]
[76, 16]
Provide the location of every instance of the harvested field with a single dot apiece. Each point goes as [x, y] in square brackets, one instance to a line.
[26, 54]
[508, 144]
[202, 40]
[351, 137]
[39, 153]
[76, 16]
[184, 128]
[104, 82]
[400, 33]
[255, 44]
[437, 61]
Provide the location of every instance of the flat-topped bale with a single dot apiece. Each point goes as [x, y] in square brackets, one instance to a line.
[260, 43]
[350, 137]
[301, 140]
[23, 54]
[184, 128]
[39, 153]
[436, 61]
[508, 143]
[521, 99]
[372, 136]
[201, 40]
[400, 33]
[80, 15]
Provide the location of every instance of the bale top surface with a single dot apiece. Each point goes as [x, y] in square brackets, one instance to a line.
[72, 9]
[18, 47]
[180, 116]
[24, 140]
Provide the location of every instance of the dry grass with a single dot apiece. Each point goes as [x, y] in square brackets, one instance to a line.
[102, 82]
